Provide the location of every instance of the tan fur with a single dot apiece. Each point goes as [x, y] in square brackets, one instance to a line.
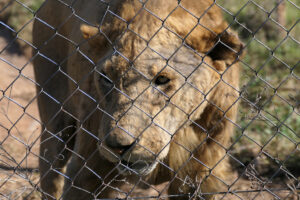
[180, 130]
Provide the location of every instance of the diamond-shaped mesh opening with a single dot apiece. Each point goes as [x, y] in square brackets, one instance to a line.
[149, 99]
[229, 8]
[288, 43]
[254, 10]
[256, 94]
[277, 115]
[269, 32]
[294, 28]
[274, 64]
[288, 91]
[262, 54]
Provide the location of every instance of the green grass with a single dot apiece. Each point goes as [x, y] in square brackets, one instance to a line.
[21, 16]
[269, 113]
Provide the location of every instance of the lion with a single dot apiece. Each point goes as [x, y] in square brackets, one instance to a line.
[136, 98]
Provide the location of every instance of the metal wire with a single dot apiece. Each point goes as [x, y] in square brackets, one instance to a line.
[263, 152]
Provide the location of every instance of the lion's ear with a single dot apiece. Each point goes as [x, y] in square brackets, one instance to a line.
[88, 31]
[95, 39]
[227, 47]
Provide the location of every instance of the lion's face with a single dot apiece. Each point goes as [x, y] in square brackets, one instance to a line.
[146, 101]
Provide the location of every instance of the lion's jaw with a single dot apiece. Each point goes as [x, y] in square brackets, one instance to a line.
[141, 167]
[135, 160]
[142, 157]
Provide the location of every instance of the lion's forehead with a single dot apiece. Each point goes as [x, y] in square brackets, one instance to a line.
[151, 62]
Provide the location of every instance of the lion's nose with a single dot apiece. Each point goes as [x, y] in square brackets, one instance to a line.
[117, 147]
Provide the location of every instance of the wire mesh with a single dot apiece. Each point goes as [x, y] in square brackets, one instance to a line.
[149, 99]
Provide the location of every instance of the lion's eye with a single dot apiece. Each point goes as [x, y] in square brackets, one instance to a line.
[161, 80]
[105, 80]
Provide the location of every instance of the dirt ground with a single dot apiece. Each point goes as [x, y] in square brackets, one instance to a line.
[19, 121]
[20, 131]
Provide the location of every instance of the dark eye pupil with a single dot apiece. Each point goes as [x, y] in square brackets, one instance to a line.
[161, 80]
[105, 78]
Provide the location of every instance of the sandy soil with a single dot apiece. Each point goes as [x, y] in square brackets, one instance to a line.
[19, 121]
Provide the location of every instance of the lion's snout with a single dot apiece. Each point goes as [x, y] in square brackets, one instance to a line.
[119, 147]
[128, 154]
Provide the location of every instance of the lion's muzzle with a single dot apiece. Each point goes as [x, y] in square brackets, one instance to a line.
[123, 159]
[119, 148]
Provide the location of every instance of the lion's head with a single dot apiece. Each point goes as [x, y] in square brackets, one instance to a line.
[154, 77]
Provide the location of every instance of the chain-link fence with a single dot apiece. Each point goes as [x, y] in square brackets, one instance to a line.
[176, 99]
